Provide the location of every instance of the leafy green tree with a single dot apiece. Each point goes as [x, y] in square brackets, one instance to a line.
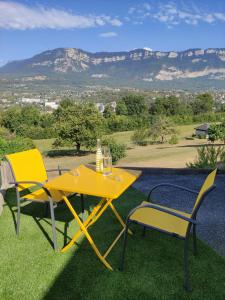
[12, 118]
[136, 105]
[140, 137]
[80, 124]
[217, 132]
[108, 111]
[30, 115]
[169, 106]
[121, 108]
[203, 103]
[161, 127]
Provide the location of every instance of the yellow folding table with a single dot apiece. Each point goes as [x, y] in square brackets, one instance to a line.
[85, 180]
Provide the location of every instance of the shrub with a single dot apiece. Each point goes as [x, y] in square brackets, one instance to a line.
[117, 150]
[208, 157]
[140, 137]
[173, 140]
[15, 145]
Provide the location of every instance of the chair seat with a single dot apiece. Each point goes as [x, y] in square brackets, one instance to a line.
[40, 195]
[161, 220]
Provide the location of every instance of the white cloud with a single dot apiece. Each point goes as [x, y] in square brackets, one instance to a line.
[18, 16]
[108, 34]
[175, 13]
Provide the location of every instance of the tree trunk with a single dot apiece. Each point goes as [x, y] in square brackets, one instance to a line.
[78, 147]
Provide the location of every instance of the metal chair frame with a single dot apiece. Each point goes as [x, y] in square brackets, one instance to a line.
[192, 222]
[50, 201]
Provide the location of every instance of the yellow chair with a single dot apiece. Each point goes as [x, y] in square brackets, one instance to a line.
[173, 222]
[29, 171]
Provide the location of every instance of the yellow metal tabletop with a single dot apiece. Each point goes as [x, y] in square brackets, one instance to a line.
[85, 180]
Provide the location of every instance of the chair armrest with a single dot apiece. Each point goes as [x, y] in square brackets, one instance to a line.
[156, 207]
[17, 183]
[171, 185]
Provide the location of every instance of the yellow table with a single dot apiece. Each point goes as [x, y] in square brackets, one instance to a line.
[84, 180]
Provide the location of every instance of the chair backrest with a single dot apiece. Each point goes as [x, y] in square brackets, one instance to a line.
[207, 186]
[27, 165]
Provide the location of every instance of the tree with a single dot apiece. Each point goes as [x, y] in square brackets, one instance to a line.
[203, 103]
[140, 137]
[80, 124]
[108, 111]
[136, 105]
[161, 127]
[121, 108]
[12, 118]
[216, 132]
[169, 106]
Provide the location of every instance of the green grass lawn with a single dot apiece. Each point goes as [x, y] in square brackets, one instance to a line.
[30, 269]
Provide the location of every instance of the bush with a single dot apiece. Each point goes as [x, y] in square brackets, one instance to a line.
[140, 137]
[173, 140]
[117, 150]
[15, 145]
[208, 157]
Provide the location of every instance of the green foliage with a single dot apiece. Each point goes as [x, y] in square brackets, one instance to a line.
[207, 157]
[161, 127]
[12, 118]
[5, 133]
[29, 122]
[173, 140]
[125, 123]
[80, 124]
[14, 145]
[121, 108]
[169, 106]
[140, 137]
[203, 103]
[216, 132]
[118, 150]
[135, 105]
[109, 111]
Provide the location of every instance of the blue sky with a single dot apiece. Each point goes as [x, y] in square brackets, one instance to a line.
[29, 27]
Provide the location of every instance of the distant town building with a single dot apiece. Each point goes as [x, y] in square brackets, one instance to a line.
[100, 107]
[202, 130]
[51, 105]
[31, 100]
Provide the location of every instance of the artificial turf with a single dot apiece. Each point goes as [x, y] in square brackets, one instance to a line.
[30, 269]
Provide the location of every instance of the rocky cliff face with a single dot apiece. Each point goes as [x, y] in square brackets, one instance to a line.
[139, 64]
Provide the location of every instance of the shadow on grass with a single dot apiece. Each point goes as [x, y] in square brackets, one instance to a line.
[66, 152]
[39, 213]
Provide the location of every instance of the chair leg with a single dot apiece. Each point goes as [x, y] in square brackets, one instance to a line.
[194, 240]
[186, 266]
[18, 217]
[121, 268]
[53, 224]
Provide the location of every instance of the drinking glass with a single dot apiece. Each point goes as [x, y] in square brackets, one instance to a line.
[107, 161]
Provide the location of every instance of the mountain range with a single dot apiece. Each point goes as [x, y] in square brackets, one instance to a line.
[136, 68]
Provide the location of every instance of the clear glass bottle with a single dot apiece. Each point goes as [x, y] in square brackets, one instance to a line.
[99, 158]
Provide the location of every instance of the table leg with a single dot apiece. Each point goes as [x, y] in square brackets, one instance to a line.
[118, 216]
[83, 228]
[86, 222]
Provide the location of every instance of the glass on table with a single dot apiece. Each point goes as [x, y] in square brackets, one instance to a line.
[107, 161]
[74, 172]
